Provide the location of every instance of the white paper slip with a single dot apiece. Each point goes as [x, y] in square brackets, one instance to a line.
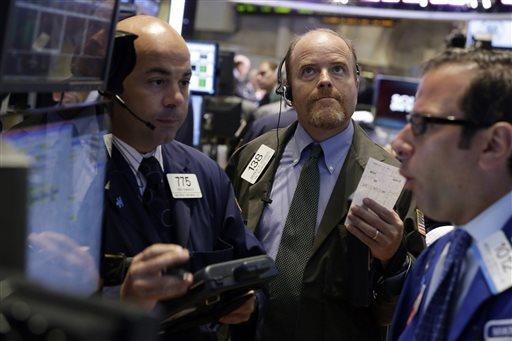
[380, 182]
[184, 186]
[257, 164]
[495, 258]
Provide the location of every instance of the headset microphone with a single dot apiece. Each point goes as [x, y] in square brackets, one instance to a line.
[122, 103]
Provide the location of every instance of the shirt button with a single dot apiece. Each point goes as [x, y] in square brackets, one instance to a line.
[331, 168]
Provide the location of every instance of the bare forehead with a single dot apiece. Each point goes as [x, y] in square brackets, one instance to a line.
[441, 88]
[320, 45]
[449, 79]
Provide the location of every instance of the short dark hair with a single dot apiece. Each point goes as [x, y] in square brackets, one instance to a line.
[324, 30]
[488, 98]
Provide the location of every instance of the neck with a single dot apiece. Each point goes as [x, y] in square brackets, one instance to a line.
[479, 200]
[130, 140]
[322, 134]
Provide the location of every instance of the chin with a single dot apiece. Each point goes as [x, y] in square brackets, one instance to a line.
[328, 119]
[166, 138]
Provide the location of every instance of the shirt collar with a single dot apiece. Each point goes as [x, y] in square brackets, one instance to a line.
[332, 147]
[491, 219]
[130, 154]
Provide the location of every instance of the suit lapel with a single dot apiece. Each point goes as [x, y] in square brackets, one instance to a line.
[346, 184]
[121, 191]
[181, 207]
[259, 189]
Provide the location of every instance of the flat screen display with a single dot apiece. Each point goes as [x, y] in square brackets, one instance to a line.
[55, 45]
[65, 201]
[500, 32]
[393, 99]
[203, 60]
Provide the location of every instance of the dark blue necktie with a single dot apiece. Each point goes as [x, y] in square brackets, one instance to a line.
[435, 322]
[156, 197]
[294, 251]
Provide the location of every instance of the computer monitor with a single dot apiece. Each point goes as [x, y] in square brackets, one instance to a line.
[203, 60]
[499, 31]
[393, 99]
[54, 45]
[65, 197]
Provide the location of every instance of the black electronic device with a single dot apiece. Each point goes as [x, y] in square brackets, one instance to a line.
[221, 117]
[13, 209]
[29, 312]
[225, 76]
[217, 290]
[55, 45]
[393, 99]
[203, 60]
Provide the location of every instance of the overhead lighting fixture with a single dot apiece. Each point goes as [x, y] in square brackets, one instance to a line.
[176, 11]
[473, 4]
[486, 4]
[449, 2]
[506, 2]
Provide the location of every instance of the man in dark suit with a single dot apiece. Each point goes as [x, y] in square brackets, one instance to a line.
[167, 205]
[335, 281]
[457, 159]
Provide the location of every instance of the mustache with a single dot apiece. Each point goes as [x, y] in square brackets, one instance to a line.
[327, 94]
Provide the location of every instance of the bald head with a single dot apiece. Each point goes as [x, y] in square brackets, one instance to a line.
[156, 89]
[154, 34]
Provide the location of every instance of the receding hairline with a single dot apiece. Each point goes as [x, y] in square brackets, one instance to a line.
[297, 39]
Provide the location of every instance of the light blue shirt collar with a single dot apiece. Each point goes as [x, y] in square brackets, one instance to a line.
[330, 147]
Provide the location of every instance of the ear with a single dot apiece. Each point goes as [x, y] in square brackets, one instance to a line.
[498, 147]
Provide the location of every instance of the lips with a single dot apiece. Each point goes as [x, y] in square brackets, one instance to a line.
[167, 120]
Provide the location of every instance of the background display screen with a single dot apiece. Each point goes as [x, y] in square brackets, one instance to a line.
[203, 60]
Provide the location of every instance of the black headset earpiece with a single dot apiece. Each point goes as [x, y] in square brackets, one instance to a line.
[283, 89]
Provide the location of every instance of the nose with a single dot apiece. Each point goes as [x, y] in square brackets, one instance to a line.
[402, 144]
[174, 97]
[325, 79]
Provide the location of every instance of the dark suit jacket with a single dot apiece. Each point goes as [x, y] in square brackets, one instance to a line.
[345, 293]
[210, 227]
[482, 314]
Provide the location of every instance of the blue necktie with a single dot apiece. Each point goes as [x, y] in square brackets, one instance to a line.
[156, 197]
[434, 323]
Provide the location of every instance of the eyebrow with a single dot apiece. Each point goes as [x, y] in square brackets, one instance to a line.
[159, 70]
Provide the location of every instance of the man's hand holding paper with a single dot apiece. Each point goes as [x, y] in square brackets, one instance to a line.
[371, 217]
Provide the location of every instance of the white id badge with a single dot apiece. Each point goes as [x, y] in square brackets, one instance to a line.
[495, 257]
[257, 164]
[184, 186]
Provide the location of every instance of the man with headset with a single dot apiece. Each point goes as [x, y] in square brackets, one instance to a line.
[335, 281]
[148, 214]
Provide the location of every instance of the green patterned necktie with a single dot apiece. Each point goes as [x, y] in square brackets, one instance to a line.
[294, 251]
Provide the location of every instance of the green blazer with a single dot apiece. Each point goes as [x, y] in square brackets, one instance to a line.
[345, 292]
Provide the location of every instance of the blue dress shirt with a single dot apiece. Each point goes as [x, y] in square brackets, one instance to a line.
[335, 150]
